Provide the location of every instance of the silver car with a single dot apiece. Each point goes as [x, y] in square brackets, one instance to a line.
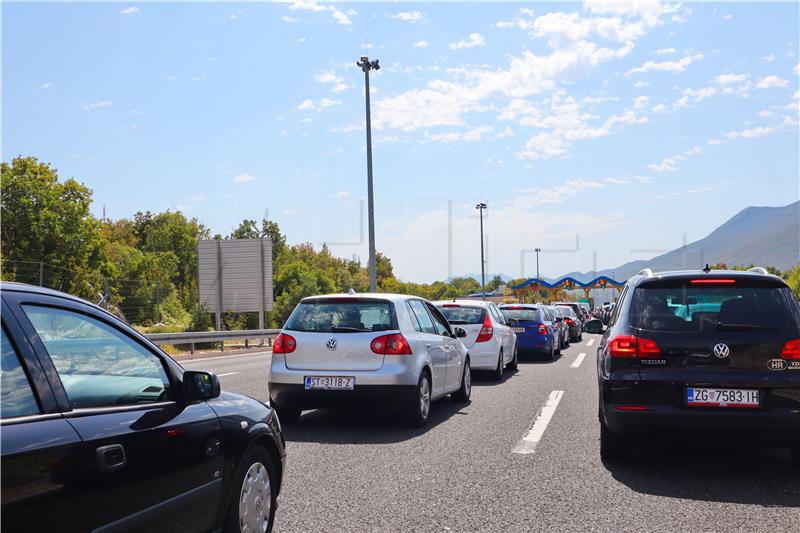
[387, 351]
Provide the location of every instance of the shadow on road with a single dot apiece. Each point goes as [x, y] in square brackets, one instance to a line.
[483, 378]
[363, 427]
[727, 473]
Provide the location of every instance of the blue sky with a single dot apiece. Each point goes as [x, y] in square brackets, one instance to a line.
[600, 133]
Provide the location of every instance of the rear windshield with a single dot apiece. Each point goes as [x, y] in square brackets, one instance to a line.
[685, 307]
[566, 310]
[463, 315]
[521, 314]
[342, 316]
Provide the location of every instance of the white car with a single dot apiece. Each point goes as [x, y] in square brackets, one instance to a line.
[388, 351]
[491, 342]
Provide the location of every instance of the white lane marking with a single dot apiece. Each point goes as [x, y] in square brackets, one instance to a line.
[528, 443]
[578, 360]
[589, 342]
[226, 374]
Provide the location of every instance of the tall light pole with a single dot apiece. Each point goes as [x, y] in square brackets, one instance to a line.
[367, 65]
[537, 250]
[480, 207]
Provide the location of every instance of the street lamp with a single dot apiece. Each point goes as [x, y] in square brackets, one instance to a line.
[537, 250]
[480, 207]
[367, 65]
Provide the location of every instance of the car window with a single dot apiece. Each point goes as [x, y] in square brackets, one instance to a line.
[439, 322]
[617, 307]
[343, 315]
[498, 317]
[457, 314]
[520, 313]
[424, 319]
[16, 395]
[99, 366]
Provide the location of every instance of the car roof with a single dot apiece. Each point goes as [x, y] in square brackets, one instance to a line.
[364, 295]
[526, 306]
[14, 286]
[691, 274]
[463, 302]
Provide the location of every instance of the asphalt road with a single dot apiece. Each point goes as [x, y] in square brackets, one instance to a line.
[370, 472]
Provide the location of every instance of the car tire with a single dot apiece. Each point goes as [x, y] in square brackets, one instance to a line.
[580, 337]
[287, 415]
[248, 498]
[514, 363]
[497, 375]
[555, 352]
[612, 445]
[462, 395]
[420, 408]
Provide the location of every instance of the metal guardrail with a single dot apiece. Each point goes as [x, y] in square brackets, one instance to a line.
[192, 337]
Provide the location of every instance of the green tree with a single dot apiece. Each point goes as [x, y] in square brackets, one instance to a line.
[47, 220]
[792, 277]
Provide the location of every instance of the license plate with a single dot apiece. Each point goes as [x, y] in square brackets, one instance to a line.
[330, 383]
[518, 330]
[701, 397]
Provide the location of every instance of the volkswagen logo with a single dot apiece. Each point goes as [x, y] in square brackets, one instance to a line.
[331, 344]
[721, 350]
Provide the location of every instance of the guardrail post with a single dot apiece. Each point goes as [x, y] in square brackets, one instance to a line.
[245, 343]
[191, 348]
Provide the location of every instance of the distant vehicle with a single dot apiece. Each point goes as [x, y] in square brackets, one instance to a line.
[387, 351]
[576, 309]
[563, 328]
[706, 355]
[573, 322]
[103, 431]
[490, 340]
[533, 327]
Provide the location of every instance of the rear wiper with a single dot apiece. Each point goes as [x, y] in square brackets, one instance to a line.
[742, 326]
[344, 329]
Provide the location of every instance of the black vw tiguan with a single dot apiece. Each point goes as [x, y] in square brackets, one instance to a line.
[706, 354]
[102, 431]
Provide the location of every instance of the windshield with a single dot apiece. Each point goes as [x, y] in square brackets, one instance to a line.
[463, 315]
[342, 316]
[531, 315]
[684, 307]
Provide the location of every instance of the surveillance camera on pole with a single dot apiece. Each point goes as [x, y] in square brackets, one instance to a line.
[367, 65]
[480, 207]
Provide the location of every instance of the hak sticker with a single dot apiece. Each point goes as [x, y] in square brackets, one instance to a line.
[794, 365]
[776, 364]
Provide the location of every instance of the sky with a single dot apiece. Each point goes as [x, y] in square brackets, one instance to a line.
[599, 133]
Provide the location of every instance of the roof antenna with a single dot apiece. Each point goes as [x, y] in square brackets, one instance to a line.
[366, 45]
[707, 269]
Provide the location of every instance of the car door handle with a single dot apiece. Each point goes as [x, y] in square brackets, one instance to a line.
[111, 457]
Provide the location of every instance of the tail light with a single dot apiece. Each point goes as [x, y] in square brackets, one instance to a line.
[394, 344]
[569, 321]
[543, 329]
[284, 344]
[487, 330]
[629, 346]
[791, 350]
[712, 281]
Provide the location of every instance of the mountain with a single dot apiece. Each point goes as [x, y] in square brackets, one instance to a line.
[762, 236]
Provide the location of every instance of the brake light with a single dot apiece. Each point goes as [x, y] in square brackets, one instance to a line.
[487, 330]
[543, 330]
[791, 350]
[569, 321]
[632, 347]
[284, 344]
[631, 407]
[512, 308]
[712, 280]
[451, 305]
[394, 344]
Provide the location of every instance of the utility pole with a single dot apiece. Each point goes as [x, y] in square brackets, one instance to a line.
[367, 65]
[537, 250]
[480, 207]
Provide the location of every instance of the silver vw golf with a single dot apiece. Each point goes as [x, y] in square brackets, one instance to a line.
[388, 351]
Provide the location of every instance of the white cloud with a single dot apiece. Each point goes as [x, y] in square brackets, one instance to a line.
[243, 178]
[45, 86]
[305, 104]
[129, 10]
[475, 39]
[728, 79]
[769, 58]
[536, 196]
[728, 16]
[291, 20]
[421, 44]
[338, 16]
[693, 96]
[337, 82]
[665, 51]
[409, 16]
[88, 106]
[342, 194]
[771, 82]
[668, 163]
[471, 135]
[348, 128]
[797, 68]
[640, 84]
[616, 181]
[751, 133]
[667, 66]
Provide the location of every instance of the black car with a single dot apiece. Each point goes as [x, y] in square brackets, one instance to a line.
[573, 322]
[103, 431]
[701, 354]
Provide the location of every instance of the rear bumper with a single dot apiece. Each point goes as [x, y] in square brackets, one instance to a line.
[366, 397]
[483, 355]
[534, 342]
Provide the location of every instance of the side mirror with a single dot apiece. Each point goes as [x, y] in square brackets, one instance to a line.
[593, 326]
[512, 322]
[200, 386]
[460, 332]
